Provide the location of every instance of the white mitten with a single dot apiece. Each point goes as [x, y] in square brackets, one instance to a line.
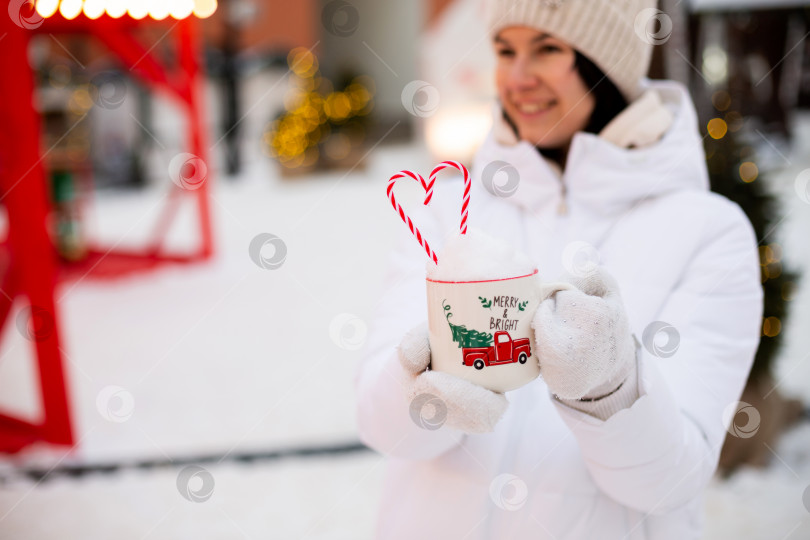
[584, 343]
[461, 404]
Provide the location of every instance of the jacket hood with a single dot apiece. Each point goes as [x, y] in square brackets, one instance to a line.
[599, 174]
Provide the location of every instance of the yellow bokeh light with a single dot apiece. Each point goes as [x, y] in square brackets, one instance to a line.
[302, 62]
[93, 9]
[358, 95]
[204, 8]
[717, 128]
[115, 8]
[765, 255]
[771, 327]
[80, 100]
[748, 171]
[137, 9]
[307, 84]
[158, 9]
[47, 8]
[337, 106]
[310, 115]
[180, 9]
[70, 9]
[299, 136]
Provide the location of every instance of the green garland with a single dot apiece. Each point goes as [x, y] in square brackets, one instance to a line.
[723, 159]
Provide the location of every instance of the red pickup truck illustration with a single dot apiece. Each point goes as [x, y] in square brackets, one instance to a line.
[504, 351]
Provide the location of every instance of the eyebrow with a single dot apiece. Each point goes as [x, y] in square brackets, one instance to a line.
[535, 39]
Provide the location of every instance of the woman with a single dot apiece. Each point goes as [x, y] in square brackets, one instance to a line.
[615, 440]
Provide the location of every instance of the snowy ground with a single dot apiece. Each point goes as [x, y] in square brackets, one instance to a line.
[227, 358]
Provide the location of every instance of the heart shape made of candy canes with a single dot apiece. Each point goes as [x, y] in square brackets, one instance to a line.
[428, 187]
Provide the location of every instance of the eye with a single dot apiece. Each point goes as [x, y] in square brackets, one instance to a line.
[548, 49]
[505, 53]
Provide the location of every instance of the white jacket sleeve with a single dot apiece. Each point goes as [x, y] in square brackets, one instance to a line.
[661, 452]
[383, 411]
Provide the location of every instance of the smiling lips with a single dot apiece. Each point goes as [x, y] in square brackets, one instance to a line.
[533, 107]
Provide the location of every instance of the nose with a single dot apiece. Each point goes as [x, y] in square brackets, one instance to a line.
[520, 74]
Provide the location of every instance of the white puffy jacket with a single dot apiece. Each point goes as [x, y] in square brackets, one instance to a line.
[681, 255]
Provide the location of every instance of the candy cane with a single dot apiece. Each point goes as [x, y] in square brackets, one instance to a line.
[428, 195]
[467, 185]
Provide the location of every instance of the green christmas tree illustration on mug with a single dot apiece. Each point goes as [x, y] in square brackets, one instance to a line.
[465, 337]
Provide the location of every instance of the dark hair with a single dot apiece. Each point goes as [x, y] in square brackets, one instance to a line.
[609, 102]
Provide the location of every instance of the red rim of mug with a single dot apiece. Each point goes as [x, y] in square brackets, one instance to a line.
[483, 280]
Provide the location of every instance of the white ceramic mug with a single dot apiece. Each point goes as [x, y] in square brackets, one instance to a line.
[481, 331]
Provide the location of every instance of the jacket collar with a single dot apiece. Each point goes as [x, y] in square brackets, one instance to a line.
[601, 172]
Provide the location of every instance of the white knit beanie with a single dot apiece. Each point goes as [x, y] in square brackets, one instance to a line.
[613, 34]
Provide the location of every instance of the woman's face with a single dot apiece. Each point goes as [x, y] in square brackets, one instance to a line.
[539, 87]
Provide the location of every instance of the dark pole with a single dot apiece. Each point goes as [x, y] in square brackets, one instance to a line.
[230, 88]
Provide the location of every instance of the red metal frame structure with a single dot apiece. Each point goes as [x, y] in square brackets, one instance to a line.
[31, 268]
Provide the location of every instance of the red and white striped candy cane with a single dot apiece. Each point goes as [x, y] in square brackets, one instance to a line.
[428, 195]
[467, 185]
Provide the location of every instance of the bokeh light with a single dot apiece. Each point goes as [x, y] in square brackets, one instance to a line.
[717, 128]
[302, 62]
[748, 171]
[115, 8]
[46, 8]
[70, 9]
[180, 9]
[137, 9]
[204, 8]
[765, 254]
[337, 106]
[771, 327]
[93, 9]
[304, 132]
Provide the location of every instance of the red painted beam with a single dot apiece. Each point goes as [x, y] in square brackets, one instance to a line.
[32, 256]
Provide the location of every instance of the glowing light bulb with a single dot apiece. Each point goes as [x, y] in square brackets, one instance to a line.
[46, 8]
[93, 9]
[70, 9]
[137, 9]
[115, 8]
[180, 9]
[204, 8]
[158, 9]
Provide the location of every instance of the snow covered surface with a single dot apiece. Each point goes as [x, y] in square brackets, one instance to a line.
[477, 256]
[230, 357]
[298, 499]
